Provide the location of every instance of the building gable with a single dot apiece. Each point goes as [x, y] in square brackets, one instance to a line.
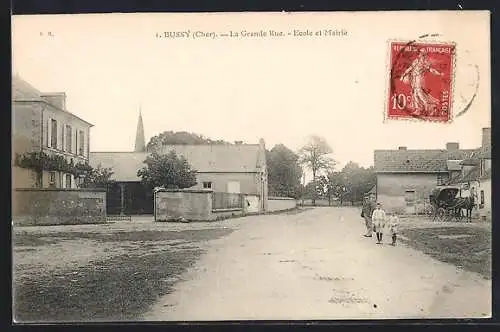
[239, 158]
[416, 161]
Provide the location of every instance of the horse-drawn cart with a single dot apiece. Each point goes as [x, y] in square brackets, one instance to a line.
[446, 206]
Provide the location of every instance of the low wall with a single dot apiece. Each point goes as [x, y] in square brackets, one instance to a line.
[281, 203]
[179, 204]
[56, 206]
[225, 213]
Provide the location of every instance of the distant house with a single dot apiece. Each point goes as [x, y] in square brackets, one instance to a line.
[42, 123]
[406, 177]
[475, 177]
[232, 168]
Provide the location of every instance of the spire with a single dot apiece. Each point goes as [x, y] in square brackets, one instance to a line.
[140, 145]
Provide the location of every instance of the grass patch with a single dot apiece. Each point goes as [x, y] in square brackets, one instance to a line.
[34, 239]
[121, 288]
[472, 252]
[118, 289]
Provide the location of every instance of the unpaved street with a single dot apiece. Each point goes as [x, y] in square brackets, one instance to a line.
[317, 265]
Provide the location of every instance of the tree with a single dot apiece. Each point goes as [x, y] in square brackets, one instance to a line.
[180, 137]
[98, 177]
[315, 155]
[359, 180]
[335, 186]
[284, 171]
[169, 171]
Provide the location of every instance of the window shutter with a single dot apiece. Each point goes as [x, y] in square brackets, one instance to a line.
[49, 132]
[59, 130]
[75, 151]
[63, 180]
[83, 143]
[63, 138]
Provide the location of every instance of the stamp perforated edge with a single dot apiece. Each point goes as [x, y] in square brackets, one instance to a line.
[388, 68]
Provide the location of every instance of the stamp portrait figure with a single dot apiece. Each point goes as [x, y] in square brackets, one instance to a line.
[422, 102]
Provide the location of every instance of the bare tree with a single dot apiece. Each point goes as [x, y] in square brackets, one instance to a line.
[316, 156]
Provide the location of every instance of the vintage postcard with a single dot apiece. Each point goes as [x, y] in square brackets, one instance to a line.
[251, 166]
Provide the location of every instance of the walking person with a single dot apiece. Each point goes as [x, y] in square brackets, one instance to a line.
[366, 213]
[378, 218]
[393, 228]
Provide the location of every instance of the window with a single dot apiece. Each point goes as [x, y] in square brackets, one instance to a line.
[81, 143]
[52, 134]
[410, 197]
[52, 178]
[68, 180]
[207, 185]
[482, 199]
[69, 136]
[442, 178]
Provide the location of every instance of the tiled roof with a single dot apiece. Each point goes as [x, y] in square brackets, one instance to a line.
[470, 161]
[416, 161]
[204, 158]
[22, 90]
[124, 164]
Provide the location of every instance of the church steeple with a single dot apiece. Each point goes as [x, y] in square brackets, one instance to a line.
[140, 141]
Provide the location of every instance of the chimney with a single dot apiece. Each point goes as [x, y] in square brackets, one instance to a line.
[486, 140]
[238, 142]
[57, 99]
[452, 146]
[402, 148]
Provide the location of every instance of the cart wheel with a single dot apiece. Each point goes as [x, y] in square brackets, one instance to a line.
[441, 214]
[450, 214]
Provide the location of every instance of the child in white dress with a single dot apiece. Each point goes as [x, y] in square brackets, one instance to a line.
[392, 226]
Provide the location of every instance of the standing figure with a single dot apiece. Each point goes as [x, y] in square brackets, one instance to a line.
[422, 102]
[378, 218]
[366, 213]
[393, 228]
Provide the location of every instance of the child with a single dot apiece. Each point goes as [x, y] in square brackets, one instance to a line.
[393, 227]
[378, 218]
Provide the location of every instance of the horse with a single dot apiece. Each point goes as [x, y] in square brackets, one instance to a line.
[467, 204]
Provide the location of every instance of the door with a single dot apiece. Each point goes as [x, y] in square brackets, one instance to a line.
[410, 199]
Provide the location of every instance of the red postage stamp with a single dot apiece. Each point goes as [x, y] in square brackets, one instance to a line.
[421, 81]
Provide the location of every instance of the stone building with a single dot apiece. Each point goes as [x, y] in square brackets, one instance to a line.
[223, 168]
[405, 177]
[475, 177]
[42, 123]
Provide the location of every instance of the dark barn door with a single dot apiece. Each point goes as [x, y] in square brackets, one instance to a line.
[113, 199]
[139, 199]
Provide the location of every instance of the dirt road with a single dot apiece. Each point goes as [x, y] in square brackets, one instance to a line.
[317, 265]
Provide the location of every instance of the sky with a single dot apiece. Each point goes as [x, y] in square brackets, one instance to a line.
[281, 89]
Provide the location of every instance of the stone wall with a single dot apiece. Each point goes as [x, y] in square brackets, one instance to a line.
[55, 206]
[281, 204]
[183, 204]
